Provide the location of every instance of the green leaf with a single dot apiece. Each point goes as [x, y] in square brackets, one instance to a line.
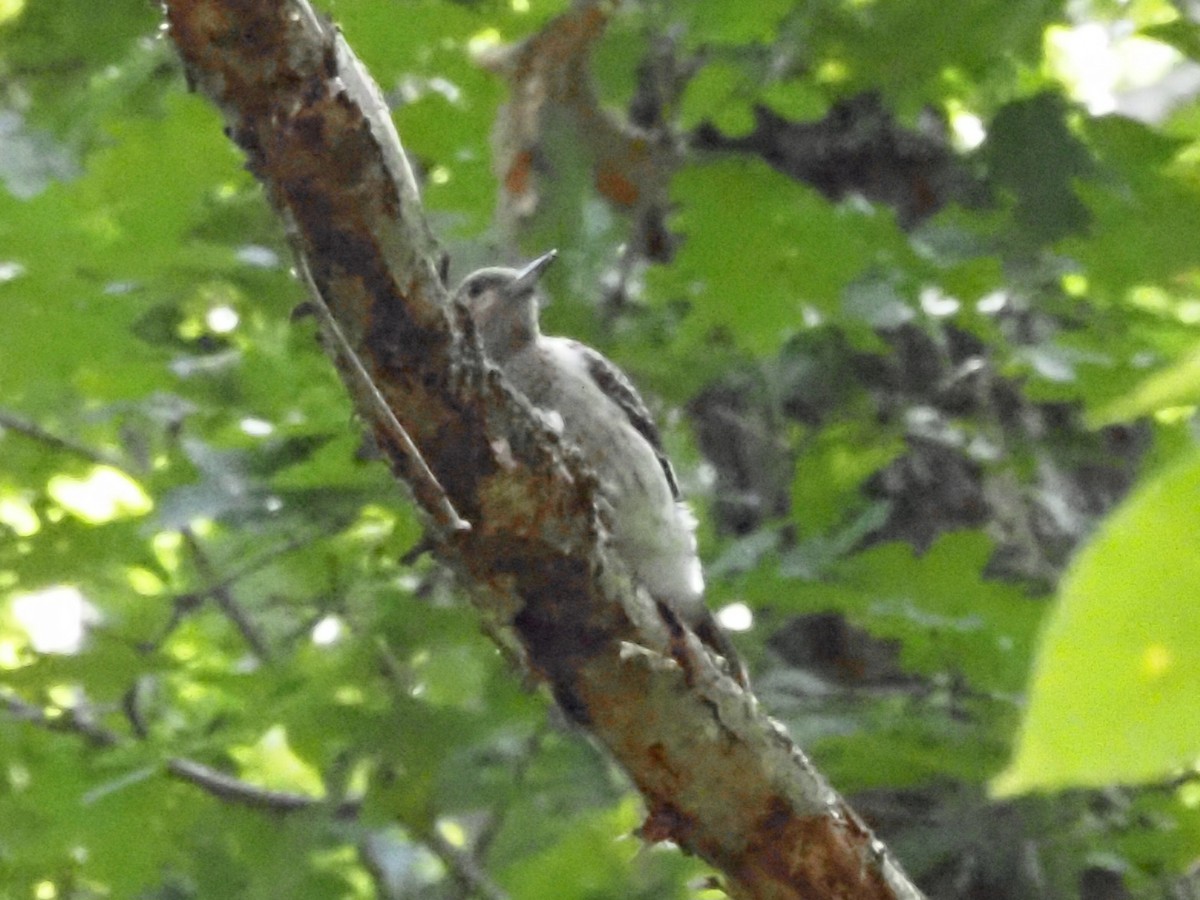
[1176, 385]
[901, 742]
[751, 278]
[721, 22]
[1181, 34]
[948, 618]
[68, 58]
[833, 467]
[88, 254]
[1033, 154]
[917, 50]
[796, 99]
[719, 93]
[1113, 696]
[1144, 209]
[590, 860]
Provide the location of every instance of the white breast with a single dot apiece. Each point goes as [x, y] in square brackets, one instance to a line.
[653, 533]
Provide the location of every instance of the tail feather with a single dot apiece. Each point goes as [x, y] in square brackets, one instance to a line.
[717, 638]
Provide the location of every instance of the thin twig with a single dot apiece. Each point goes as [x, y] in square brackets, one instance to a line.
[374, 853]
[74, 720]
[268, 557]
[77, 720]
[520, 772]
[31, 429]
[234, 790]
[463, 867]
[186, 602]
[414, 470]
[224, 598]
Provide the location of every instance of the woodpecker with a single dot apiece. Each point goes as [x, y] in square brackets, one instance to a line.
[596, 408]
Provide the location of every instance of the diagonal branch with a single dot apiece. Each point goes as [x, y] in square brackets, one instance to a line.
[234, 790]
[412, 467]
[10, 421]
[718, 776]
[222, 594]
[72, 720]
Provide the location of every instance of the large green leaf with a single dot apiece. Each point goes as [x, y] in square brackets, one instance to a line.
[1113, 696]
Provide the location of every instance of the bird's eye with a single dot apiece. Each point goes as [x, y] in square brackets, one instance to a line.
[474, 289]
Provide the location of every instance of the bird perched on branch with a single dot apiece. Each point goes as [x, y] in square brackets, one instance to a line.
[604, 417]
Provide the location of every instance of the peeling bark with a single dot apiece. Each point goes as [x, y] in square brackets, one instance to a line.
[719, 777]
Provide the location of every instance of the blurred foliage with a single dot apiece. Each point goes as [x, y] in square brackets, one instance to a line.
[916, 317]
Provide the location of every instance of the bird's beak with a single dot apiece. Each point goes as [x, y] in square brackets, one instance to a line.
[528, 277]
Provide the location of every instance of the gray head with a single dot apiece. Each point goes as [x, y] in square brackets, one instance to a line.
[503, 303]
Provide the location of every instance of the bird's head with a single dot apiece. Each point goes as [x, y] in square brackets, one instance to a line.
[503, 303]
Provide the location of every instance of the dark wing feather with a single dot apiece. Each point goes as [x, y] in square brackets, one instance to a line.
[616, 385]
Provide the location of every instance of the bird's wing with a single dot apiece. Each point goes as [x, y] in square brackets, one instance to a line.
[616, 385]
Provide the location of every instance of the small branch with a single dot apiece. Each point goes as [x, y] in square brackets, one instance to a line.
[30, 429]
[224, 598]
[374, 855]
[72, 720]
[78, 721]
[255, 565]
[407, 459]
[185, 603]
[265, 559]
[463, 867]
[234, 790]
[496, 820]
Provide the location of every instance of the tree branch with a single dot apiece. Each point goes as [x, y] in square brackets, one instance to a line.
[19, 424]
[234, 790]
[73, 720]
[430, 495]
[222, 594]
[719, 777]
[78, 721]
[464, 868]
